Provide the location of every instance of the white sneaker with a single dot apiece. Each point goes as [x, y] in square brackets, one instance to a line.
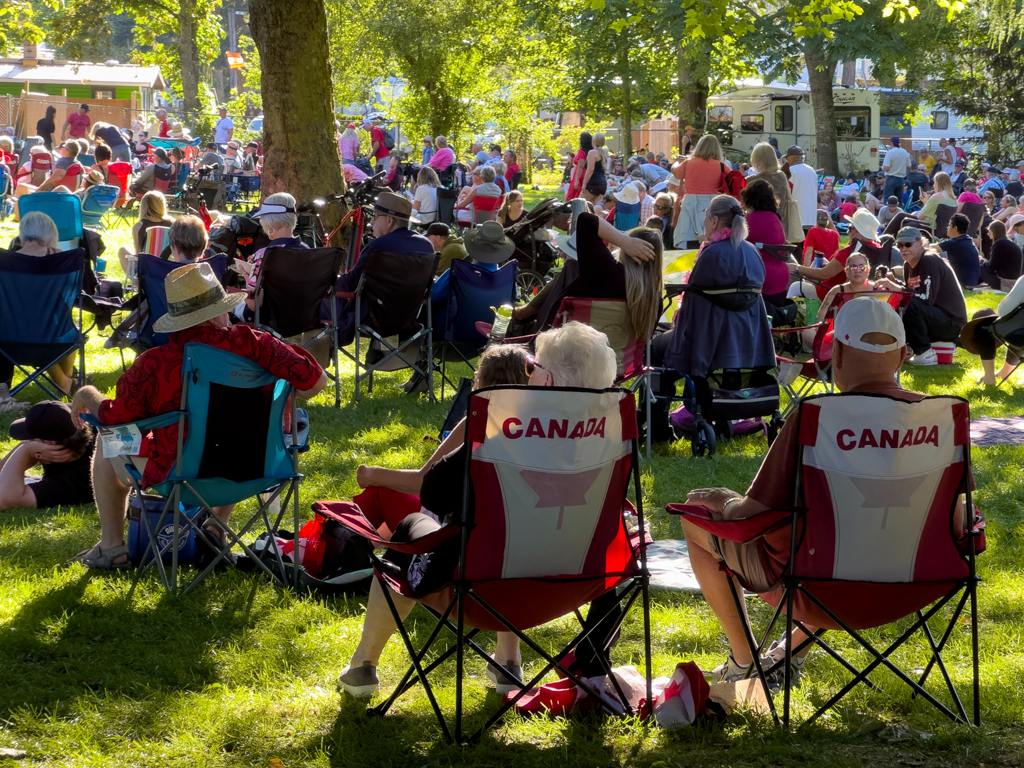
[928, 357]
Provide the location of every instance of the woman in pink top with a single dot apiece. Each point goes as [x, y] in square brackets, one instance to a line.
[443, 157]
[969, 195]
[764, 226]
[348, 145]
[702, 177]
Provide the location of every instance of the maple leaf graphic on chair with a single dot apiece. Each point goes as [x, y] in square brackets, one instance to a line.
[886, 494]
[558, 489]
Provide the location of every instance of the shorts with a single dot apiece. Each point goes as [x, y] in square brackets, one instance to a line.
[62, 491]
[119, 469]
[744, 560]
[122, 154]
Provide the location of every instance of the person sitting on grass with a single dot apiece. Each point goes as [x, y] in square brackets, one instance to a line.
[866, 363]
[48, 436]
[1006, 262]
[574, 355]
[198, 313]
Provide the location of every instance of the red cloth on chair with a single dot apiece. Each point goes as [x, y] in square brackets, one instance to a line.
[384, 506]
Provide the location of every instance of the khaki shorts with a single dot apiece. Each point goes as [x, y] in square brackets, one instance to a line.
[122, 473]
[744, 560]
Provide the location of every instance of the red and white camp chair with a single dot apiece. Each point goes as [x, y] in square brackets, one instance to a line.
[799, 378]
[550, 470]
[872, 537]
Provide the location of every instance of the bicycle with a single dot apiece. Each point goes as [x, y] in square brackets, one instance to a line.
[359, 199]
[192, 201]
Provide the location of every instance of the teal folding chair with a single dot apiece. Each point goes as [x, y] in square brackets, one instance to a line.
[222, 395]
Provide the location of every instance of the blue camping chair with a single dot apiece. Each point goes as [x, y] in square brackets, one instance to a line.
[5, 190]
[86, 161]
[210, 471]
[64, 209]
[97, 201]
[38, 295]
[627, 216]
[474, 290]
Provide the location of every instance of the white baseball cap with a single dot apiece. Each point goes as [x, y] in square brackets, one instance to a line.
[865, 315]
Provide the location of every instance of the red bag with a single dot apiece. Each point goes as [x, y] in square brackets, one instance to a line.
[311, 546]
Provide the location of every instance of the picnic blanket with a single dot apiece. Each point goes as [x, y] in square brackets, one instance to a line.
[669, 565]
[987, 431]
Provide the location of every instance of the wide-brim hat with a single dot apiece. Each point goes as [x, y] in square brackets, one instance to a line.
[194, 295]
[1013, 221]
[390, 204]
[567, 245]
[983, 318]
[865, 223]
[628, 194]
[488, 244]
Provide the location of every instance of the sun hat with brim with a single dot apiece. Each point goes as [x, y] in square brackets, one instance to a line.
[273, 208]
[628, 194]
[1013, 221]
[983, 318]
[194, 295]
[488, 244]
[49, 420]
[567, 245]
[865, 223]
[390, 204]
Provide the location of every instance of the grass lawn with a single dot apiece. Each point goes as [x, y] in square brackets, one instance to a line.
[240, 672]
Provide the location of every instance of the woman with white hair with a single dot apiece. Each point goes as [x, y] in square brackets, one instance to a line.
[702, 177]
[574, 355]
[716, 331]
[443, 157]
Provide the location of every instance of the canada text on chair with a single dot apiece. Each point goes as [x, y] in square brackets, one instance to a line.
[38, 295]
[549, 471]
[883, 489]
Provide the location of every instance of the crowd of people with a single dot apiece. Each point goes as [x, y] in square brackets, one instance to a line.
[625, 216]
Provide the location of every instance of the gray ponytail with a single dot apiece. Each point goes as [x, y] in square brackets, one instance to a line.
[728, 210]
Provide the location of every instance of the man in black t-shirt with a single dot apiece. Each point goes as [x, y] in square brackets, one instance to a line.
[937, 312]
[48, 437]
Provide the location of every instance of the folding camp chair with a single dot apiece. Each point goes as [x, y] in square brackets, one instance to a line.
[72, 177]
[119, 174]
[484, 209]
[38, 295]
[975, 213]
[210, 471]
[157, 239]
[627, 216]
[446, 205]
[516, 178]
[41, 165]
[474, 290]
[64, 209]
[872, 536]
[942, 216]
[98, 199]
[392, 289]
[549, 472]
[291, 287]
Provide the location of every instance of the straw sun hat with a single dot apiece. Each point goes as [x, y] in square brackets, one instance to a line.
[194, 295]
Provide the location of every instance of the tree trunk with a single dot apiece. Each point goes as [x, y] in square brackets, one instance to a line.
[300, 144]
[694, 67]
[819, 72]
[626, 118]
[188, 53]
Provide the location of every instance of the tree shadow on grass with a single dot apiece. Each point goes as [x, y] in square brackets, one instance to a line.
[65, 642]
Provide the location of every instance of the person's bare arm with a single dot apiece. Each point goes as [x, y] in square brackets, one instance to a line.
[315, 389]
[590, 167]
[826, 303]
[14, 491]
[86, 400]
[638, 250]
[830, 270]
[55, 178]
[410, 480]
[724, 504]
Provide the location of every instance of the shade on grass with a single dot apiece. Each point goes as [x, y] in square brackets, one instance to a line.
[239, 672]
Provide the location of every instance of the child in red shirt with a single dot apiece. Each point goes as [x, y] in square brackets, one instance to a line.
[821, 237]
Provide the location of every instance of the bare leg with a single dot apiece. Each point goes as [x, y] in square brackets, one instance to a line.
[379, 624]
[507, 648]
[989, 376]
[111, 500]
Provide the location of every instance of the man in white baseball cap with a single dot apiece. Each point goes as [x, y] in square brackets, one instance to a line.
[868, 347]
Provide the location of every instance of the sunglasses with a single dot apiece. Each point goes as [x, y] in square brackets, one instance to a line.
[903, 246]
[858, 266]
[532, 365]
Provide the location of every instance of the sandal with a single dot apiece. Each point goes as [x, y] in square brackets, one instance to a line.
[99, 559]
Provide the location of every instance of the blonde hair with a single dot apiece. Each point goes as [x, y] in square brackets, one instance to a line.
[643, 284]
[577, 355]
[763, 158]
[708, 148]
[600, 147]
[274, 221]
[944, 184]
[39, 228]
[153, 206]
[427, 176]
[350, 133]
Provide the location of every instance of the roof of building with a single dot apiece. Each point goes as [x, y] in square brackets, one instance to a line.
[59, 72]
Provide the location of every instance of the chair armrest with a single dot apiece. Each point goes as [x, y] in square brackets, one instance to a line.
[351, 516]
[741, 531]
[345, 294]
[796, 328]
[144, 425]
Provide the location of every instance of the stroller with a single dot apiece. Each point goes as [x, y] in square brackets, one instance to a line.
[727, 402]
[535, 257]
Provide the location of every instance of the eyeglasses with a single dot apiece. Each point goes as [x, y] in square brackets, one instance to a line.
[858, 266]
[902, 246]
[532, 365]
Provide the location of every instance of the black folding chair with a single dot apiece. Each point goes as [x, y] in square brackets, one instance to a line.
[290, 289]
[391, 291]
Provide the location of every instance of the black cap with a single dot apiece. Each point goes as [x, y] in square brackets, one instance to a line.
[48, 420]
[84, 106]
[893, 200]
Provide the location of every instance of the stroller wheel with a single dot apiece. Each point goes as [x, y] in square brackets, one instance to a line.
[528, 283]
[703, 443]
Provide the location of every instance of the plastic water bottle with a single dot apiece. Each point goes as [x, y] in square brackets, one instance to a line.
[502, 317]
[819, 260]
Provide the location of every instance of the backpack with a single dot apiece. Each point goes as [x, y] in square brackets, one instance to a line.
[389, 139]
[734, 182]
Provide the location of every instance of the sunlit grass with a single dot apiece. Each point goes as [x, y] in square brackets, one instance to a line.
[239, 672]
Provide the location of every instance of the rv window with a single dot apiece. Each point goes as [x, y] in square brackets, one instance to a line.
[720, 115]
[752, 123]
[784, 119]
[853, 123]
[940, 121]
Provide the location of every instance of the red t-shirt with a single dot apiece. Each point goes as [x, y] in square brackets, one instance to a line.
[824, 240]
[165, 129]
[511, 171]
[376, 134]
[152, 386]
[848, 209]
[775, 482]
[78, 125]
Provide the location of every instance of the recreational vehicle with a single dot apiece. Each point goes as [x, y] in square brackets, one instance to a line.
[865, 119]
